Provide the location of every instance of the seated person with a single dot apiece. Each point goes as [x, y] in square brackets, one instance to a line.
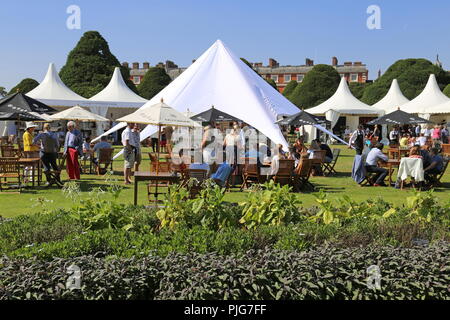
[299, 145]
[86, 148]
[422, 140]
[436, 164]
[103, 144]
[404, 141]
[275, 165]
[328, 154]
[415, 152]
[293, 155]
[221, 175]
[373, 157]
[314, 147]
[426, 158]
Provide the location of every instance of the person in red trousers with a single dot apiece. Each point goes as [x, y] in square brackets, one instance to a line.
[73, 147]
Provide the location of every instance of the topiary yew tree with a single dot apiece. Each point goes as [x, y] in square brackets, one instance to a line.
[90, 65]
[447, 90]
[290, 87]
[154, 81]
[318, 85]
[24, 86]
[357, 88]
[412, 76]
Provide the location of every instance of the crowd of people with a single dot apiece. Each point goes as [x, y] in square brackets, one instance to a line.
[423, 143]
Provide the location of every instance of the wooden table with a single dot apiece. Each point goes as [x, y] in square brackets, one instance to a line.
[390, 164]
[36, 164]
[152, 176]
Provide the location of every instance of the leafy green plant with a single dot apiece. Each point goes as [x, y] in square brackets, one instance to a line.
[274, 205]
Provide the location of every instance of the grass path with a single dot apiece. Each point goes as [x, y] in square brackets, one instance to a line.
[25, 203]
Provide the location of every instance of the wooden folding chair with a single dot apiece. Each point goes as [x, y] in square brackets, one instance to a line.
[445, 149]
[10, 169]
[285, 171]
[317, 161]
[105, 157]
[394, 153]
[437, 177]
[302, 174]
[8, 151]
[200, 175]
[328, 168]
[250, 173]
[163, 166]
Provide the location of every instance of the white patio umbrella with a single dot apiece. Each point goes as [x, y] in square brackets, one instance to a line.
[77, 113]
[159, 114]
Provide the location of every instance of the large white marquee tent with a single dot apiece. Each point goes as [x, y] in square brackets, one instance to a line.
[430, 97]
[220, 78]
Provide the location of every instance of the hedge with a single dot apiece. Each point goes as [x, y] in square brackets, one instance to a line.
[321, 273]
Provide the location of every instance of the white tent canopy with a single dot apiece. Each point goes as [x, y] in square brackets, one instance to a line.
[342, 102]
[77, 113]
[118, 91]
[393, 99]
[220, 78]
[430, 96]
[440, 108]
[54, 92]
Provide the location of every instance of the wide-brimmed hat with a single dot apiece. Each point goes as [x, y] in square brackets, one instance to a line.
[30, 124]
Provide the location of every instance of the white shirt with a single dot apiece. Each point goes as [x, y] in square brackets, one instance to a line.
[393, 134]
[422, 141]
[374, 155]
[426, 132]
[128, 134]
[275, 165]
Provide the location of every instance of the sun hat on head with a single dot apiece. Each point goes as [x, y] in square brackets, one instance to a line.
[30, 124]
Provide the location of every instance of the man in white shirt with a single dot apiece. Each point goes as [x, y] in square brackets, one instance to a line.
[373, 157]
[129, 152]
[422, 140]
[426, 132]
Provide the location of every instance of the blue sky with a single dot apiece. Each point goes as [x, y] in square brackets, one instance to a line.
[34, 33]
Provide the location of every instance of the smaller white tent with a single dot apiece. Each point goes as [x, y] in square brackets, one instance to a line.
[429, 97]
[343, 103]
[53, 92]
[118, 91]
[393, 99]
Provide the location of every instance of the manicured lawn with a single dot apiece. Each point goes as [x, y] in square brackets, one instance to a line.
[28, 201]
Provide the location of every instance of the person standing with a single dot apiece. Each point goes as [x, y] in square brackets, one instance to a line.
[357, 140]
[73, 147]
[49, 152]
[393, 136]
[129, 153]
[444, 134]
[136, 134]
[30, 150]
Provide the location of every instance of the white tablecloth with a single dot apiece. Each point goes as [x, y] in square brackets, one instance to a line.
[412, 167]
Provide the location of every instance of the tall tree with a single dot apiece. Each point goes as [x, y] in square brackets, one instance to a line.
[290, 87]
[154, 81]
[447, 90]
[24, 86]
[318, 85]
[90, 65]
[412, 76]
[3, 91]
[357, 88]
